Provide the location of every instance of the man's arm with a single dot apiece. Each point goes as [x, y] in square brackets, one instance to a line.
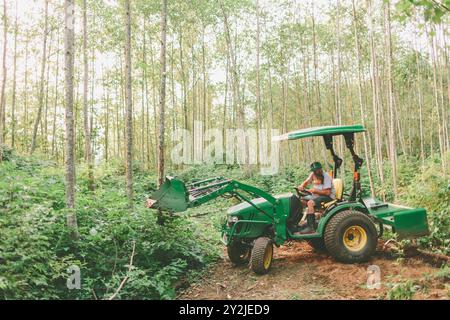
[324, 192]
[305, 183]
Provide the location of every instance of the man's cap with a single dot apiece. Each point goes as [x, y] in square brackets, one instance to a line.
[315, 165]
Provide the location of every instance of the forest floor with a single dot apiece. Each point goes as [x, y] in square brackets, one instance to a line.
[298, 272]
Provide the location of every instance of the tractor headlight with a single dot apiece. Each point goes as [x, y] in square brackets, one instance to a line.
[232, 219]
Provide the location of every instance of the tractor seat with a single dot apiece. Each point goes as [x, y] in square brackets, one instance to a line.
[339, 190]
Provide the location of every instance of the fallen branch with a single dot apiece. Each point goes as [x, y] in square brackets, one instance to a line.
[199, 215]
[413, 251]
[432, 258]
[130, 266]
[386, 244]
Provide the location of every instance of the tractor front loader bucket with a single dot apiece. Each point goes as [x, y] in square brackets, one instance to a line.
[172, 196]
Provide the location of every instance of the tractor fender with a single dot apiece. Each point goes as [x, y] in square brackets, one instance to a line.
[338, 208]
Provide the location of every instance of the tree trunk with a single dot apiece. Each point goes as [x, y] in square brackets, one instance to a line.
[56, 97]
[317, 97]
[194, 101]
[69, 9]
[235, 79]
[375, 99]
[2, 97]
[155, 104]
[360, 98]
[205, 79]
[339, 75]
[258, 82]
[87, 129]
[122, 109]
[44, 123]
[237, 105]
[439, 114]
[173, 90]
[143, 90]
[225, 105]
[129, 106]
[91, 116]
[147, 118]
[41, 88]
[445, 96]
[162, 99]
[392, 113]
[25, 98]
[183, 80]
[106, 122]
[13, 104]
[420, 103]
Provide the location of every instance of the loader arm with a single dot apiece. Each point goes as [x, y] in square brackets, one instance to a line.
[174, 196]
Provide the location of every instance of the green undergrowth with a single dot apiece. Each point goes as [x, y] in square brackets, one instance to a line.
[36, 252]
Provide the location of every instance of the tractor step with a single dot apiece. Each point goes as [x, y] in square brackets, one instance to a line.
[298, 236]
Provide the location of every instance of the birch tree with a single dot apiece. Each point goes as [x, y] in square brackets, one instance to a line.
[391, 102]
[162, 97]
[86, 122]
[69, 9]
[5, 70]
[42, 82]
[129, 105]
[14, 90]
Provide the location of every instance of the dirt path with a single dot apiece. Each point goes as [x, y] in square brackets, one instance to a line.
[300, 273]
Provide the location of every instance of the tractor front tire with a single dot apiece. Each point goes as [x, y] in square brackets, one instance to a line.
[262, 255]
[238, 252]
[350, 237]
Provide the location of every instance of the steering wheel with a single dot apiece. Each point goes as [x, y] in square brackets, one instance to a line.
[302, 193]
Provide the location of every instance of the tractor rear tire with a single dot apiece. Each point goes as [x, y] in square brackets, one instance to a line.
[262, 255]
[238, 252]
[350, 237]
[317, 244]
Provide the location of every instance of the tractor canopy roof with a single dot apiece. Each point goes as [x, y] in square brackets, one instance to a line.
[319, 131]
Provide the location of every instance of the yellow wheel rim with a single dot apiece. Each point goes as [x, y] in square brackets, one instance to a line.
[355, 238]
[268, 256]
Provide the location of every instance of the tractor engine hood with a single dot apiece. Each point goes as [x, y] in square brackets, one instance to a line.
[245, 208]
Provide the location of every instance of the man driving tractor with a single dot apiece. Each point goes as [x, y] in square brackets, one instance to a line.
[322, 191]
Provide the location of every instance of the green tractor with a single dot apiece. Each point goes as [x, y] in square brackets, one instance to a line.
[347, 228]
